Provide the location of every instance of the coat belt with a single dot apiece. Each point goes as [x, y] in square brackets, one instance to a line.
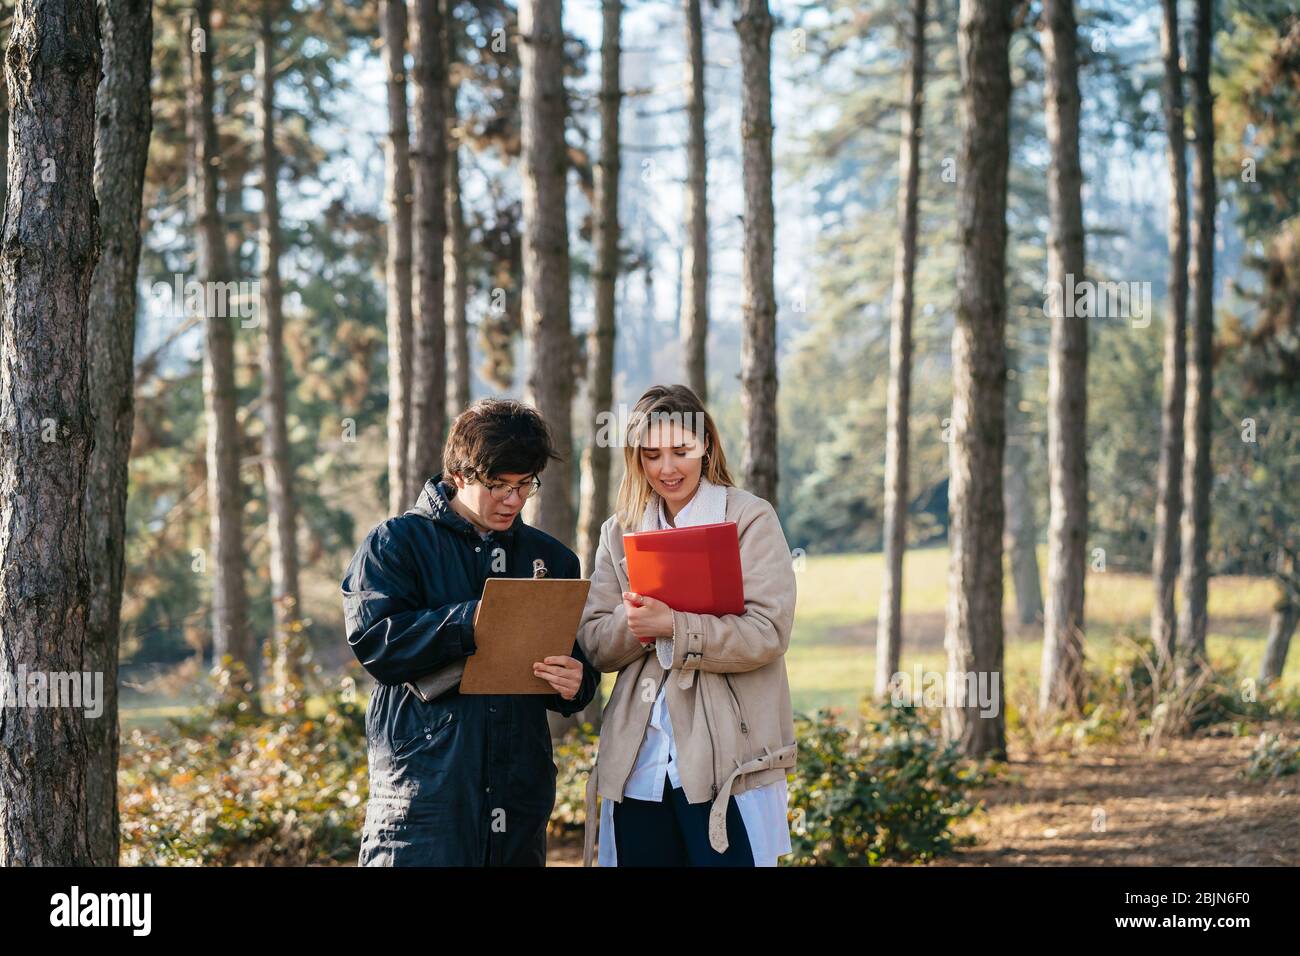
[783, 757]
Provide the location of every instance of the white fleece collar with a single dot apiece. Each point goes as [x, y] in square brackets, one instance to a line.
[707, 506]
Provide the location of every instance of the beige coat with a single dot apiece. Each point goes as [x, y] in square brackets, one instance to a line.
[728, 696]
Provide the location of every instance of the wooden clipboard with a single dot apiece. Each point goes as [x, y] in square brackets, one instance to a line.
[519, 621]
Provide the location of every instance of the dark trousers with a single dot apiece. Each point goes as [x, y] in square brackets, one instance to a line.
[672, 832]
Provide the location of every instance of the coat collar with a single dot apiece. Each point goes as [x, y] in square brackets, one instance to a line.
[707, 506]
[435, 503]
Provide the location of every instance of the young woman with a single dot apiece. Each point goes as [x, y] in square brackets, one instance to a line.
[700, 712]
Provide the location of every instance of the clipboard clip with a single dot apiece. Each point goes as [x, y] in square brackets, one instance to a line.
[539, 568]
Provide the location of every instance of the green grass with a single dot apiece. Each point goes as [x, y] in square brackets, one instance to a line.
[831, 659]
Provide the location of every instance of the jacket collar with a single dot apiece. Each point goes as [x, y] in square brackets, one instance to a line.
[435, 503]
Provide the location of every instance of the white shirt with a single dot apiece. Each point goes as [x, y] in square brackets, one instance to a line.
[762, 809]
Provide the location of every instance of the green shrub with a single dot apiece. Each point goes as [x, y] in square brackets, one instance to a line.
[876, 790]
[232, 787]
[1134, 700]
[238, 788]
[1273, 756]
[575, 755]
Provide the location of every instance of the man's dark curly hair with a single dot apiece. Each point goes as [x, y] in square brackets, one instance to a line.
[498, 436]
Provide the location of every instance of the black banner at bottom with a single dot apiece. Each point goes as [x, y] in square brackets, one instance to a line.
[307, 905]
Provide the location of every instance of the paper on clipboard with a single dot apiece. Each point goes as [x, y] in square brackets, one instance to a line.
[520, 621]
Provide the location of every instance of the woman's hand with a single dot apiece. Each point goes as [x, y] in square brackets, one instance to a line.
[562, 673]
[647, 617]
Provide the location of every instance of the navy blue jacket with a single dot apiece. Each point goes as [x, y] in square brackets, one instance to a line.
[462, 780]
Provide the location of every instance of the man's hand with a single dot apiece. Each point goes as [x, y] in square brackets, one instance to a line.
[647, 617]
[562, 673]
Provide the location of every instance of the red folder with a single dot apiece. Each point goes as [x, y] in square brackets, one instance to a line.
[696, 568]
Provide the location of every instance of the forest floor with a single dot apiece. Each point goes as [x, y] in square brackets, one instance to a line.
[1182, 805]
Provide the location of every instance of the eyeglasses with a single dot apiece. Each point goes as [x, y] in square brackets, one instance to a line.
[500, 491]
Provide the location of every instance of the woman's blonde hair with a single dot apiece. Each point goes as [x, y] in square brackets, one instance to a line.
[665, 404]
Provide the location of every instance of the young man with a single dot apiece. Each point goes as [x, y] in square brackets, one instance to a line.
[459, 780]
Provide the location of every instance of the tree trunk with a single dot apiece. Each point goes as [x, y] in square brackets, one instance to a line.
[4, 142]
[51, 243]
[974, 626]
[758, 297]
[1193, 616]
[695, 257]
[1062, 685]
[288, 641]
[1020, 534]
[231, 638]
[1282, 624]
[1280, 628]
[233, 172]
[458, 392]
[193, 127]
[1169, 500]
[429, 169]
[397, 264]
[595, 505]
[546, 253]
[1286, 613]
[889, 624]
[121, 150]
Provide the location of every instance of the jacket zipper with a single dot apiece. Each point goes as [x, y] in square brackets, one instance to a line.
[740, 711]
[713, 750]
